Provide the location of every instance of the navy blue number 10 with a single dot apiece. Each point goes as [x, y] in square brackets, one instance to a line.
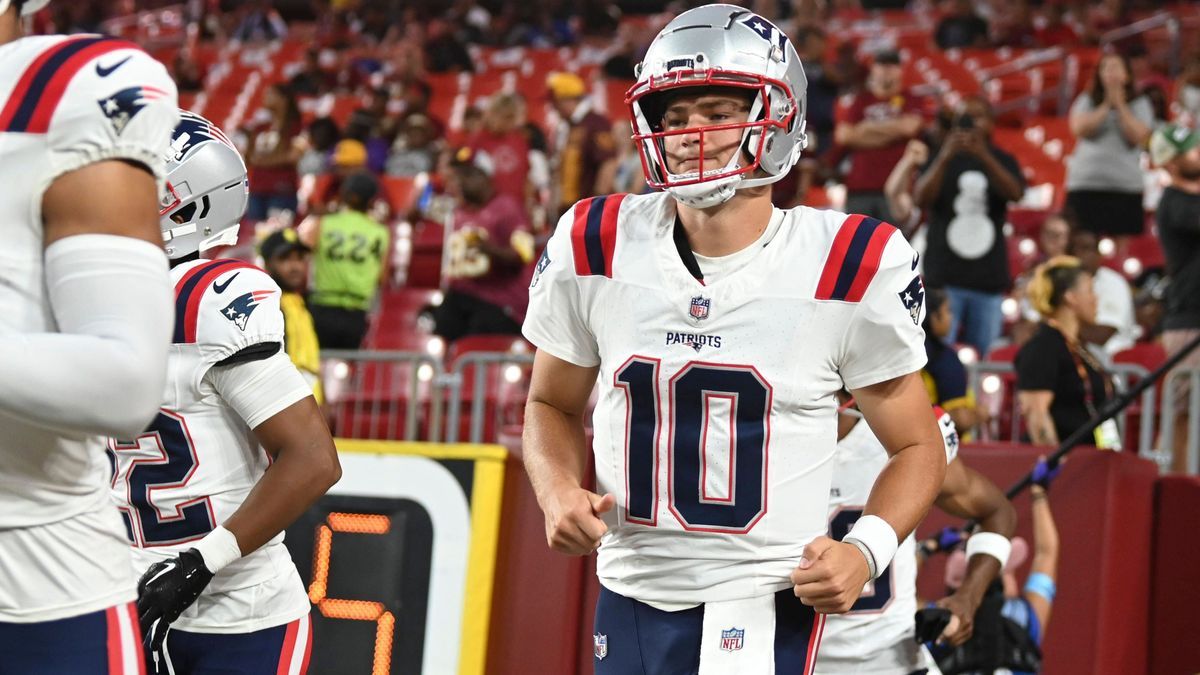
[691, 391]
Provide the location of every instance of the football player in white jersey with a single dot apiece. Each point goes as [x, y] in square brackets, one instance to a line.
[876, 637]
[204, 513]
[84, 289]
[721, 330]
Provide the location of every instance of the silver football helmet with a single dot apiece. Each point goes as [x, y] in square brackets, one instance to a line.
[721, 46]
[206, 191]
[27, 8]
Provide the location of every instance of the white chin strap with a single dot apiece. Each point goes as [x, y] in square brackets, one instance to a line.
[708, 193]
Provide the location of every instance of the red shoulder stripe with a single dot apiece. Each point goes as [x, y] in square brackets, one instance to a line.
[578, 233]
[608, 230]
[190, 290]
[869, 264]
[837, 255]
[57, 87]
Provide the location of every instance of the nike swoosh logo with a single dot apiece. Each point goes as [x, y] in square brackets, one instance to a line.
[916, 257]
[220, 288]
[105, 72]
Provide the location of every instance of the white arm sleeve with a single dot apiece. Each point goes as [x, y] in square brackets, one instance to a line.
[258, 390]
[104, 371]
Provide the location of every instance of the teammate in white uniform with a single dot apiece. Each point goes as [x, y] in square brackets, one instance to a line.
[721, 330]
[205, 516]
[876, 636]
[84, 291]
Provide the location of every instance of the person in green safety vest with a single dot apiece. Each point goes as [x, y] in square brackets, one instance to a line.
[350, 253]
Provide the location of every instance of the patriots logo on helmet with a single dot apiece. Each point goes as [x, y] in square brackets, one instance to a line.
[242, 307]
[192, 131]
[121, 107]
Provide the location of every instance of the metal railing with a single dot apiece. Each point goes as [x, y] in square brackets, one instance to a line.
[1161, 20]
[363, 387]
[1123, 374]
[1029, 64]
[407, 395]
[483, 365]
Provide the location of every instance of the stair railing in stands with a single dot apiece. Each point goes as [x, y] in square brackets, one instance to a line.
[1161, 20]
[1124, 374]
[1029, 64]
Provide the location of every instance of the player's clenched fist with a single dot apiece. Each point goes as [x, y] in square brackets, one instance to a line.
[830, 576]
[573, 524]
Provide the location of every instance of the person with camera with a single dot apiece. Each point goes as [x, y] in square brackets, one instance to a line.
[965, 192]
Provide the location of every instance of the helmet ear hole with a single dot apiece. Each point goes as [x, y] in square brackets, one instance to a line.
[185, 214]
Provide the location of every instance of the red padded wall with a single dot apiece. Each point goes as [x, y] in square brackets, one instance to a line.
[1175, 595]
[1103, 507]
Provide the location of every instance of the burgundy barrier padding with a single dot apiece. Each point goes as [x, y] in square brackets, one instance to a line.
[1175, 595]
[536, 605]
[1103, 506]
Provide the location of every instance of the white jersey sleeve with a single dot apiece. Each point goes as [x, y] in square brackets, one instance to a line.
[121, 104]
[884, 339]
[238, 308]
[556, 319]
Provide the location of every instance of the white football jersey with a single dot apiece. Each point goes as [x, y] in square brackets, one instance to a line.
[65, 103]
[876, 636]
[715, 427]
[199, 459]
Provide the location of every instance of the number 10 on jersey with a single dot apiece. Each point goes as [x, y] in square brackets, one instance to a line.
[690, 394]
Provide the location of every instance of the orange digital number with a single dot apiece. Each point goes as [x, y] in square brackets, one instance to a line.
[353, 610]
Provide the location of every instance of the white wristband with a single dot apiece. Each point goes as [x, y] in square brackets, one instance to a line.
[218, 548]
[879, 539]
[989, 543]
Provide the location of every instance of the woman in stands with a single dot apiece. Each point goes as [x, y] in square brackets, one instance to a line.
[1060, 385]
[944, 374]
[1104, 173]
[272, 154]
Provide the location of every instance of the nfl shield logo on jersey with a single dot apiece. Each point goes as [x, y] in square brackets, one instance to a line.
[600, 645]
[731, 640]
[699, 307]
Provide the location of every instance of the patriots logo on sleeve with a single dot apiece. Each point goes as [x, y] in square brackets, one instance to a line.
[123, 106]
[913, 297]
[242, 307]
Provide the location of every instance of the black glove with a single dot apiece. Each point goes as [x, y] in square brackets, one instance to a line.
[166, 589]
[931, 621]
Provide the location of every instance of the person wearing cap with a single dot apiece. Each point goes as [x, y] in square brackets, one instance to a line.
[350, 252]
[490, 251]
[1177, 150]
[285, 258]
[875, 125]
[586, 152]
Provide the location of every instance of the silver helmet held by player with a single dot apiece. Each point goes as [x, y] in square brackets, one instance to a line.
[28, 7]
[206, 190]
[721, 46]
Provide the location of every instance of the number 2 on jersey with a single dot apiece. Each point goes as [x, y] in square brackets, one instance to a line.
[691, 391]
[176, 461]
[879, 592]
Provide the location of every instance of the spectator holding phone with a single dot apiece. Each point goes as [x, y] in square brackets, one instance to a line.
[965, 192]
